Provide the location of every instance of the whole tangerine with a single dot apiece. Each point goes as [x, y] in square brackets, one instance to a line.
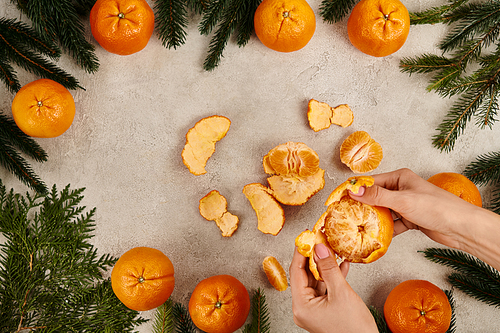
[43, 109]
[459, 185]
[378, 27]
[143, 278]
[417, 306]
[219, 304]
[122, 26]
[284, 25]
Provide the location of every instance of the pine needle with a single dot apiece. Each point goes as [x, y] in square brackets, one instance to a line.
[183, 322]
[335, 10]
[164, 320]
[260, 314]
[485, 169]
[171, 22]
[472, 276]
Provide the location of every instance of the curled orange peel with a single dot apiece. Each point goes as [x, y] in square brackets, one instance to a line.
[321, 115]
[352, 184]
[270, 214]
[213, 207]
[200, 142]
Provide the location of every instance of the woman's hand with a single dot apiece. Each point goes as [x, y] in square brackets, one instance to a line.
[329, 305]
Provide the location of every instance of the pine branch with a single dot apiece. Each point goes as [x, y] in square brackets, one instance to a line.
[164, 320]
[260, 314]
[183, 322]
[485, 169]
[211, 16]
[379, 320]
[171, 22]
[335, 10]
[13, 139]
[59, 20]
[439, 14]
[453, 321]
[471, 275]
[50, 275]
[245, 25]
[23, 46]
[233, 13]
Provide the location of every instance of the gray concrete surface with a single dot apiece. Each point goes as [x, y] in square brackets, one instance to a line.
[125, 148]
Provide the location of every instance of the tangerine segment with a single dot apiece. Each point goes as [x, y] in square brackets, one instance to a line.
[284, 25]
[213, 207]
[291, 159]
[296, 190]
[417, 306]
[352, 184]
[270, 214]
[459, 185]
[321, 115]
[378, 27]
[122, 26]
[143, 278]
[358, 232]
[308, 239]
[43, 109]
[275, 273]
[360, 152]
[200, 142]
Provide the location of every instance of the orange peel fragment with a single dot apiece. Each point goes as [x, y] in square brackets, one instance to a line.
[200, 142]
[275, 273]
[213, 207]
[321, 115]
[295, 173]
[360, 152]
[270, 214]
[354, 231]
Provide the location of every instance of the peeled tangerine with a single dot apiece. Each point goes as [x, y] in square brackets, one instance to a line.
[275, 273]
[354, 231]
[360, 152]
[213, 207]
[200, 142]
[296, 175]
[270, 214]
[321, 115]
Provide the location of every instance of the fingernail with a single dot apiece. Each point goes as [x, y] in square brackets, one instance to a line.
[360, 193]
[321, 251]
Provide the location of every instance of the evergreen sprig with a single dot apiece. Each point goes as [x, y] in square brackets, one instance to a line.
[171, 22]
[485, 170]
[51, 277]
[183, 322]
[335, 10]
[26, 48]
[471, 275]
[164, 319]
[227, 17]
[59, 20]
[476, 27]
[260, 314]
[13, 139]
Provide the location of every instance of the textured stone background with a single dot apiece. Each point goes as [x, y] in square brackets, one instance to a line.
[125, 148]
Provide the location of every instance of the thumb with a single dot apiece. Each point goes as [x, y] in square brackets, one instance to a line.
[376, 196]
[328, 268]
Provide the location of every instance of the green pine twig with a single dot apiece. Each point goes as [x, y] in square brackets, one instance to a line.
[51, 278]
[438, 14]
[13, 142]
[183, 322]
[164, 319]
[335, 10]
[485, 170]
[472, 276]
[171, 22]
[260, 314]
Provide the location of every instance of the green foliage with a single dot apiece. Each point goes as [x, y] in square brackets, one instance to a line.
[335, 10]
[50, 275]
[475, 27]
[13, 139]
[485, 170]
[183, 322]
[164, 319]
[472, 276]
[260, 314]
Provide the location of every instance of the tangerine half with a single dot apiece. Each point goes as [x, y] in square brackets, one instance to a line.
[360, 152]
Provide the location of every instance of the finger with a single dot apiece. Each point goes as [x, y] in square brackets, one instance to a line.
[327, 267]
[344, 268]
[402, 225]
[298, 274]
